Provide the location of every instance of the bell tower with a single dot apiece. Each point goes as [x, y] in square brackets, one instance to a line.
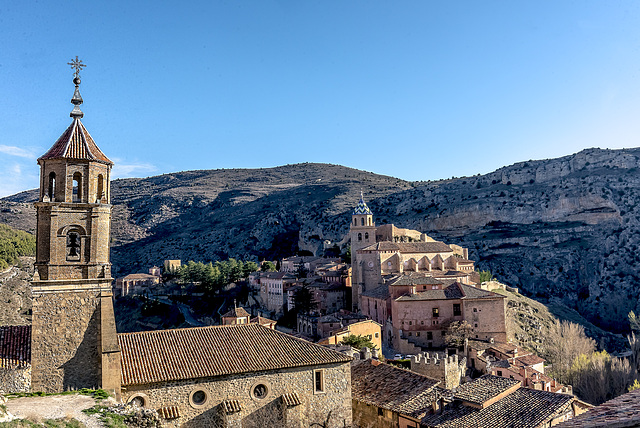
[363, 233]
[74, 343]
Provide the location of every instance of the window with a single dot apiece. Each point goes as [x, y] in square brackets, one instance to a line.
[456, 309]
[52, 186]
[377, 334]
[318, 381]
[422, 322]
[260, 391]
[380, 412]
[362, 221]
[138, 400]
[429, 335]
[475, 325]
[355, 221]
[100, 187]
[499, 372]
[410, 334]
[77, 187]
[366, 236]
[436, 312]
[359, 236]
[418, 334]
[199, 397]
[410, 322]
[475, 309]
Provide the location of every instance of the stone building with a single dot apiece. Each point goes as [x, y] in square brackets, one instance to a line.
[388, 250]
[497, 402]
[316, 326]
[235, 376]
[367, 328]
[273, 290]
[236, 316]
[73, 335]
[15, 358]
[136, 284]
[385, 396]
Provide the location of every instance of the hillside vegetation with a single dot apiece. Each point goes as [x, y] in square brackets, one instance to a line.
[13, 244]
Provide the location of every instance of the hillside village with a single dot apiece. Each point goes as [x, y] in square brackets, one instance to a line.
[399, 332]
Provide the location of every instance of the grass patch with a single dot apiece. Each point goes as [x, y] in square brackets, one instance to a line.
[98, 394]
[110, 419]
[49, 423]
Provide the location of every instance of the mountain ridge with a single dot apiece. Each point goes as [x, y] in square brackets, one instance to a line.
[563, 228]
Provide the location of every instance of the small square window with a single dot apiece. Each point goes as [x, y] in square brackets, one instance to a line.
[418, 334]
[429, 335]
[435, 312]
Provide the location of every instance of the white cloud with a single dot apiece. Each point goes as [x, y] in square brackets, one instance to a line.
[123, 170]
[13, 180]
[16, 151]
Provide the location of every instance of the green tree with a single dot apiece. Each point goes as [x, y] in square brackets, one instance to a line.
[303, 300]
[358, 341]
[485, 276]
[456, 332]
[13, 244]
[248, 268]
[267, 266]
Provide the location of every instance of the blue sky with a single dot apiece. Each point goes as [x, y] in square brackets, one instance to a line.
[418, 90]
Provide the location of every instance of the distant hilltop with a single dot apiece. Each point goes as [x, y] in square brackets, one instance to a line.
[565, 227]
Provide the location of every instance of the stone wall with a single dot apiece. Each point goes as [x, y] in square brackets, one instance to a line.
[65, 341]
[251, 411]
[368, 416]
[16, 379]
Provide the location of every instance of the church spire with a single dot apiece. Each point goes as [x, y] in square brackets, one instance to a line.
[77, 98]
[362, 207]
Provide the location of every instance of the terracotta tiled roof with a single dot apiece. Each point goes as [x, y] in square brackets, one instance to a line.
[380, 292]
[410, 247]
[413, 279]
[622, 411]
[453, 291]
[528, 360]
[139, 276]
[484, 389]
[237, 313]
[523, 408]
[388, 387]
[200, 352]
[262, 320]
[76, 143]
[15, 346]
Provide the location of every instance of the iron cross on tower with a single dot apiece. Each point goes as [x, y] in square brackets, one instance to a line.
[78, 65]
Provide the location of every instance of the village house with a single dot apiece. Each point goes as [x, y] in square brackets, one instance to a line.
[309, 263]
[367, 328]
[15, 358]
[316, 326]
[327, 297]
[137, 283]
[273, 290]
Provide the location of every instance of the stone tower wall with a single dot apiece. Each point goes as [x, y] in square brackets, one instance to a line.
[65, 349]
[448, 369]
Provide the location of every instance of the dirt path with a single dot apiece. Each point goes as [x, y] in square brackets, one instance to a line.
[54, 407]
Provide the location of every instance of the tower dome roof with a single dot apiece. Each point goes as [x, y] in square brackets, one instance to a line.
[362, 207]
[76, 143]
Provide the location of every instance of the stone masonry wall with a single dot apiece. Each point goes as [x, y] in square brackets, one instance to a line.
[16, 379]
[254, 412]
[65, 341]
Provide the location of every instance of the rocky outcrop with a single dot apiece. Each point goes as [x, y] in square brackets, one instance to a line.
[563, 229]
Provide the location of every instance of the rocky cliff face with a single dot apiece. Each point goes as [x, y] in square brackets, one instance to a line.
[562, 228]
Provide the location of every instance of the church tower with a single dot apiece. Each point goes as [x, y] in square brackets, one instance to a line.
[74, 343]
[363, 234]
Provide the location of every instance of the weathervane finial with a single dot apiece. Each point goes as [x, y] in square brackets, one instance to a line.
[78, 65]
[77, 98]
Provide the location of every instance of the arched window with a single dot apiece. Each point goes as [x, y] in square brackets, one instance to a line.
[77, 187]
[369, 221]
[359, 236]
[366, 236]
[52, 186]
[100, 188]
[73, 246]
[362, 221]
[355, 221]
